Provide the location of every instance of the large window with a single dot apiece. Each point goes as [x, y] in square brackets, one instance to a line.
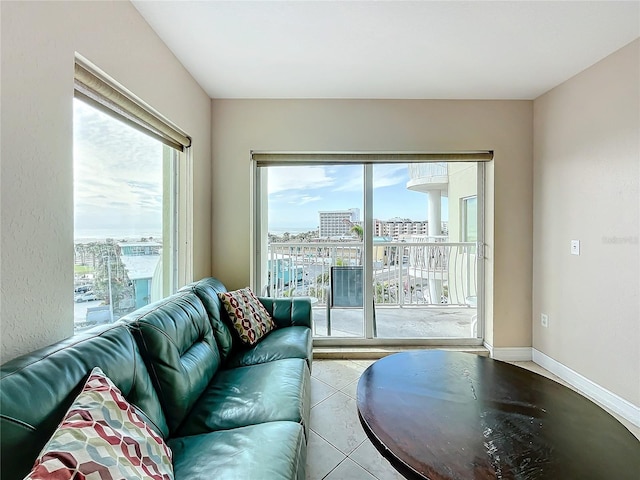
[127, 208]
[384, 245]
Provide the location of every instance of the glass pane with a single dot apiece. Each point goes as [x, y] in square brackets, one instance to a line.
[470, 219]
[314, 246]
[424, 268]
[123, 217]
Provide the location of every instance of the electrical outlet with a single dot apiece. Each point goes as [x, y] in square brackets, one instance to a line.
[575, 247]
[544, 320]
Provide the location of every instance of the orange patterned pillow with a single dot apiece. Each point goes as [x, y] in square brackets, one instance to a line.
[249, 317]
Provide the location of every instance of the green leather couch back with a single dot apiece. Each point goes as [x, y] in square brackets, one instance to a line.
[289, 312]
[286, 312]
[207, 290]
[37, 389]
[176, 341]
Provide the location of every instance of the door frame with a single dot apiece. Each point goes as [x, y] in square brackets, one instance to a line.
[259, 240]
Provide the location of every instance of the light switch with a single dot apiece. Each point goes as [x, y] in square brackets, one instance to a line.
[575, 247]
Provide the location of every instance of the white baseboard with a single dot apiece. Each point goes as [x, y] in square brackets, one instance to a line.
[510, 354]
[601, 395]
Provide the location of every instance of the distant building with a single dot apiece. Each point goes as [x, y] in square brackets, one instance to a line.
[141, 260]
[338, 223]
[140, 248]
[397, 227]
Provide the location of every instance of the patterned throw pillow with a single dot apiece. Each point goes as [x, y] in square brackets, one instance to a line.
[250, 319]
[101, 437]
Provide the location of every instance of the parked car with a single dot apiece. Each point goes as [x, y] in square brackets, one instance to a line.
[86, 297]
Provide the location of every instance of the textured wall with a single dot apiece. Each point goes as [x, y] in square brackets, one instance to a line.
[39, 40]
[586, 176]
[388, 125]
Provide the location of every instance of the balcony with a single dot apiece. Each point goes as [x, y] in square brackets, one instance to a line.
[421, 289]
[426, 177]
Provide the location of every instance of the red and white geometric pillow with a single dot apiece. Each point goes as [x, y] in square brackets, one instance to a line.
[249, 317]
[100, 437]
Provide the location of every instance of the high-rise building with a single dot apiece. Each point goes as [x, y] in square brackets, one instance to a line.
[338, 223]
[397, 227]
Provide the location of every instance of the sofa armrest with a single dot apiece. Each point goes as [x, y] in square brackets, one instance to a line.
[288, 312]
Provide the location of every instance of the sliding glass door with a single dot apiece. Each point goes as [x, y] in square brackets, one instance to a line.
[424, 250]
[386, 251]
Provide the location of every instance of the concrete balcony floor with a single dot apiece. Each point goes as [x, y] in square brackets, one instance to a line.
[394, 322]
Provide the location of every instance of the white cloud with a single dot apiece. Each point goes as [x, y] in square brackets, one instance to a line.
[353, 184]
[282, 179]
[389, 175]
[307, 199]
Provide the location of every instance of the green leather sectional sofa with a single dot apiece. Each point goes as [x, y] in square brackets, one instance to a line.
[226, 411]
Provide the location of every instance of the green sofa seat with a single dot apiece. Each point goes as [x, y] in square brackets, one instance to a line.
[291, 342]
[268, 451]
[238, 397]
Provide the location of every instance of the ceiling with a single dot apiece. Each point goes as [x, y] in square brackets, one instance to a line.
[389, 49]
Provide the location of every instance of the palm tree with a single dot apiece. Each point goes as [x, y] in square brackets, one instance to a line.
[358, 230]
[80, 251]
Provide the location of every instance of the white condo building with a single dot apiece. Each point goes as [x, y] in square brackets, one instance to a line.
[338, 223]
[397, 227]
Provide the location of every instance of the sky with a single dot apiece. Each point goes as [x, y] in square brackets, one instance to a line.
[118, 185]
[117, 178]
[297, 194]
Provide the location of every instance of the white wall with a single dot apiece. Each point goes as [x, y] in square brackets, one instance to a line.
[387, 125]
[39, 40]
[586, 176]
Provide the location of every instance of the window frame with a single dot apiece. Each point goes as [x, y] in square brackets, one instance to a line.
[96, 88]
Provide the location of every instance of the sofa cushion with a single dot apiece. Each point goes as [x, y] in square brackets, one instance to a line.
[176, 342]
[37, 389]
[207, 290]
[290, 311]
[291, 342]
[249, 317]
[274, 451]
[102, 435]
[278, 390]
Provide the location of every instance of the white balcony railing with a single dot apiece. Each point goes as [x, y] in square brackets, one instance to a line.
[416, 273]
[428, 170]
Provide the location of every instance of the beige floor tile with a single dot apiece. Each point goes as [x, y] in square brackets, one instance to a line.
[351, 389]
[370, 459]
[337, 373]
[320, 391]
[322, 457]
[336, 420]
[349, 470]
[365, 363]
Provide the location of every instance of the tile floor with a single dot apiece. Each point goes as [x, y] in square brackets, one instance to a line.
[338, 448]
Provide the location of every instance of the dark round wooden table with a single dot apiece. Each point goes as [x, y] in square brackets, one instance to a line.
[445, 415]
